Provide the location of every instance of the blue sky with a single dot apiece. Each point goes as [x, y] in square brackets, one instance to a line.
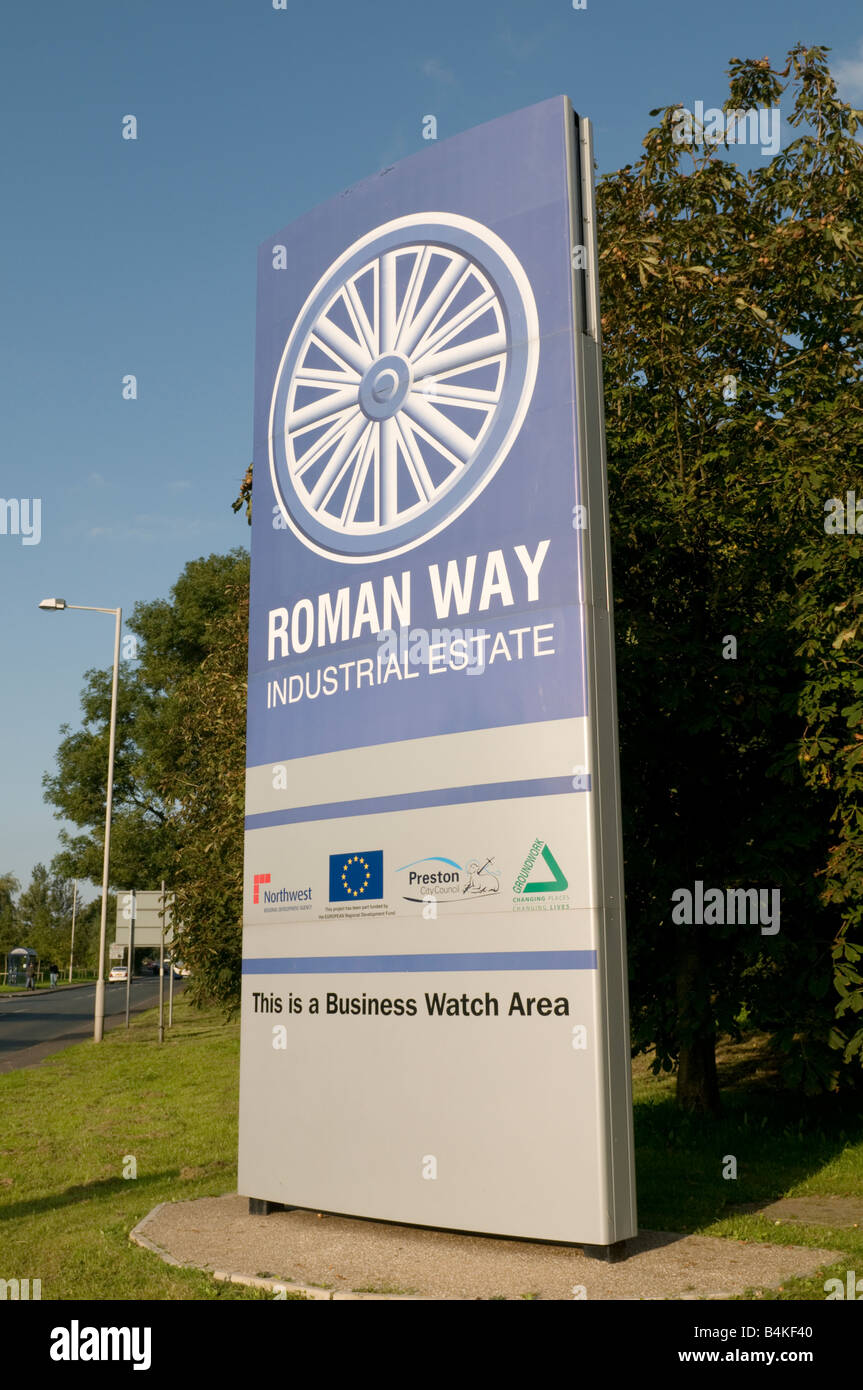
[125, 256]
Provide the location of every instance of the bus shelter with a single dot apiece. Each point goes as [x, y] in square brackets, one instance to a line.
[17, 961]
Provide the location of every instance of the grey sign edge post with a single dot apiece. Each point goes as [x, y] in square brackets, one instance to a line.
[615, 1091]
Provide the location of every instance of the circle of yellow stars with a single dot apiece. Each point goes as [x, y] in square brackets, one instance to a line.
[356, 859]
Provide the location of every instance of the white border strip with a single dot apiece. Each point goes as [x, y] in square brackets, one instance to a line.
[513, 753]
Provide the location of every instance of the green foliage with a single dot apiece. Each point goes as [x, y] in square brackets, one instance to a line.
[44, 916]
[244, 498]
[8, 920]
[831, 754]
[140, 841]
[177, 768]
[204, 775]
[42, 919]
[733, 770]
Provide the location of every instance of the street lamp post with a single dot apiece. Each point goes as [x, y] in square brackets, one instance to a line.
[72, 942]
[58, 604]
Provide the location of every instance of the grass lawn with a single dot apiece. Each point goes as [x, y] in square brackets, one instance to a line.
[786, 1145]
[65, 1128]
[67, 1125]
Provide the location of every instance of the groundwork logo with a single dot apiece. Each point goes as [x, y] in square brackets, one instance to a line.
[526, 883]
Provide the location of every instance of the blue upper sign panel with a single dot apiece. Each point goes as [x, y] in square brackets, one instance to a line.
[416, 563]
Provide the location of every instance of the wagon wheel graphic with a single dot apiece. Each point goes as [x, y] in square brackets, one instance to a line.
[402, 386]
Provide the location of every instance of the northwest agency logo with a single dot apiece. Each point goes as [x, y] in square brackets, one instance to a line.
[534, 874]
[402, 387]
[356, 877]
[453, 882]
[256, 888]
[278, 899]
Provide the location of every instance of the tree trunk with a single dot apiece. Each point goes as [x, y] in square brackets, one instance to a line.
[697, 1083]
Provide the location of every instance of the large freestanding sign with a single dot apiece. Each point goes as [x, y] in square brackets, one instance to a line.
[434, 971]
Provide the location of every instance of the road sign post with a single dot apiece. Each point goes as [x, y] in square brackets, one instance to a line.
[162, 973]
[145, 917]
[131, 953]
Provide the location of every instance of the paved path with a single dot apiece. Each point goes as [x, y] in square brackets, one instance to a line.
[836, 1213]
[35, 1025]
[339, 1257]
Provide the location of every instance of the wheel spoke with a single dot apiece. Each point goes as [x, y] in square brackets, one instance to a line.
[348, 462]
[415, 284]
[446, 288]
[439, 448]
[445, 394]
[333, 468]
[364, 455]
[360, 320]
[321, 445]
[316, 341]
[323, 376]
[389, 471]
[445, 332]
[352, 352]
[439, 426]
[317, 411]
[415, 461]
[473, 354]
[376, 467]
[387, 302]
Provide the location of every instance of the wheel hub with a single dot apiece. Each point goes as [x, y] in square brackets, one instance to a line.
[384, 386]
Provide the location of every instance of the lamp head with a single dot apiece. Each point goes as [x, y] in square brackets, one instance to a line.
[53, 603]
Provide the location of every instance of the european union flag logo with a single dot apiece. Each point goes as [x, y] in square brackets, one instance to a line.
[354, 877]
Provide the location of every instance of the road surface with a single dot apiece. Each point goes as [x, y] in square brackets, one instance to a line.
[48, 1021]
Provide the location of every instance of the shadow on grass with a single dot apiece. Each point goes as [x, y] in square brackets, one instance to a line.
[777, 1139]
[84, 1192]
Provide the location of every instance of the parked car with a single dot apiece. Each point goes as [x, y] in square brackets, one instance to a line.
[117, 972]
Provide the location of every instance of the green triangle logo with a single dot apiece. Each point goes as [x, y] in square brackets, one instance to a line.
[557, 884]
